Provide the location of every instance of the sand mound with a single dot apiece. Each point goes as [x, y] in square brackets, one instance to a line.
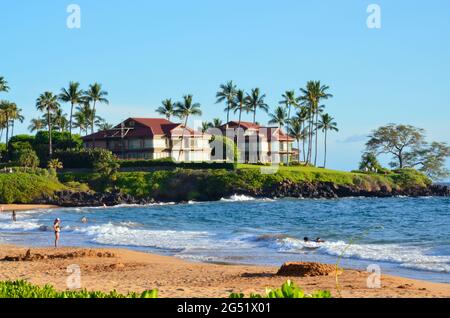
[32, 257]
[306, 269]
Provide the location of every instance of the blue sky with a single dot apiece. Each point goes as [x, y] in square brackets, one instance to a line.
[144, 51]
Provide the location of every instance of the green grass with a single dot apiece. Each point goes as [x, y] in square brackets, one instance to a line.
[25, 187]
[23, 289]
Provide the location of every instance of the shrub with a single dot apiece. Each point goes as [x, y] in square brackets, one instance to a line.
[27, 158]
[287, 290]
[23, 289]
[25, 187]
[81, 158]
[168, 163]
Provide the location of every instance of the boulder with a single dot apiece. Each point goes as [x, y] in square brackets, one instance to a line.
[307, 270]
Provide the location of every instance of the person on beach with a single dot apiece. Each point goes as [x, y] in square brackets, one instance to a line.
[14, 217]
[57, 229]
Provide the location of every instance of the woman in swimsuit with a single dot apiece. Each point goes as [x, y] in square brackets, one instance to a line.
[57, 229]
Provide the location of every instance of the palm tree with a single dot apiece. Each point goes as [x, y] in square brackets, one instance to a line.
[184, 110]
[239, 104]
[289, 100]
[80, 122]
[16, 114]
[36, 124]
[59, 119]
[302, 118]
[74, 96]
[313, 94]
[48, 102]
[7, 108]
[326, 124]
[279, 117]
[296, 131]
[205, 126]
[103, 125]
[167, 109]
[227, 93]
[256, 101]
[95, 95]
[3, 85]
[216, 123]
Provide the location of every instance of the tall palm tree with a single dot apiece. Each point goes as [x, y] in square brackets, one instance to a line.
[296, 131]
[184, 110]
[326, 124]
[205, 126]
[73, 95]
[7, 110]
[227, 93]
[36, 124]
[239, 104]
[95, 94]
[312, 95]
[60, 120]
[48, 102]
[289, 100]
[16, 114]
[256, 101]
[167, 109]
[3, 85]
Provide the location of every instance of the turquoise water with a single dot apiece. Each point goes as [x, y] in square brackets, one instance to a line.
[404, 236]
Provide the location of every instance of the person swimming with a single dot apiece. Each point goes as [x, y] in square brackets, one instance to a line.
[319, 240]
[84, 220]
[57, 229]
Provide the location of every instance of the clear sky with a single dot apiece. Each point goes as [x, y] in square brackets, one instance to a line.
[143, 51]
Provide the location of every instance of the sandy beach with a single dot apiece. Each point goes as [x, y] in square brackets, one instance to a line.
[125, 270]
[25, 207]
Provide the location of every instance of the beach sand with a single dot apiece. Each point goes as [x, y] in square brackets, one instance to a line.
[25, 207]
[125, 271]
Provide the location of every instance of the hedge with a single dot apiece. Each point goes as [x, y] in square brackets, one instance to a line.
[168, 163]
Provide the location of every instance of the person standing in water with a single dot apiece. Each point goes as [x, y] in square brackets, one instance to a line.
[14, 217]
[57, 229]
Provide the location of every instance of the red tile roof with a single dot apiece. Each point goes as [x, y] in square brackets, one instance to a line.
[148, 127]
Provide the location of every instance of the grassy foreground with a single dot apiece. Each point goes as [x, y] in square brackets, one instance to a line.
[23, 289]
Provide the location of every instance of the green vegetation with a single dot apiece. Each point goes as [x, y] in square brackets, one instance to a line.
[26, 186]
[23, 289]
[287, 290]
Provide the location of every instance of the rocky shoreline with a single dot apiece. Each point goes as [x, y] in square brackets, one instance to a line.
[284, 189]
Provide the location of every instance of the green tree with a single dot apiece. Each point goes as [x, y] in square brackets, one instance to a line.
[227, 93]
[289, 100]
[95, 94]
[48, 102]
[106, 165]
[184, 110]
[167, 109]
[7, 112]
[239, 104]
[255, 101]
[73, 95]
[55, 164]
[3, 85]
[407, 146]
[279, 117]
[296, 131]
[311, 97]
[216, 123]
[36, 124]
[27, 158]
[369, 162]
[326, 124]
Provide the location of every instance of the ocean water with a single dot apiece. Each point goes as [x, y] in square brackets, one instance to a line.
[404, 236]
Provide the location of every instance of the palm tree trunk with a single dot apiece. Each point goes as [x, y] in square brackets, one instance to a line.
[12, 129]
[70, 121]
[325, 156]
[315, 148]
[254, 115]
[240, 116]
[228, 112]
[299, 152]
[50, 148]
[7, 131]
[287, 134]
[92, 124]
[182, 139]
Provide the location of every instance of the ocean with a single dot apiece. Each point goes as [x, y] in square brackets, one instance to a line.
[407, 237]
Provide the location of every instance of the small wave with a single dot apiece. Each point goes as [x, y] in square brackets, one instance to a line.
[238, 198]
[20, 225]
[406, 257]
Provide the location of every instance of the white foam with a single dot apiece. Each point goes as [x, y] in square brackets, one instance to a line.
[238, 198]
[110, 234]
[405, 256]
[19, 225]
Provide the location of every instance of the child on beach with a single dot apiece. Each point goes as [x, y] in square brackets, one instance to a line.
[57, 229]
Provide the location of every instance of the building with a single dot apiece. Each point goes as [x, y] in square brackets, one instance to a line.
[261, 144]
[152, 138]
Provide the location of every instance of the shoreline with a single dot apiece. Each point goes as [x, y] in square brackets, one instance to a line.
[126, 270]
[26, 207]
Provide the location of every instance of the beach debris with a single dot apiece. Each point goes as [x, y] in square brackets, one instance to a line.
[301, 269]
